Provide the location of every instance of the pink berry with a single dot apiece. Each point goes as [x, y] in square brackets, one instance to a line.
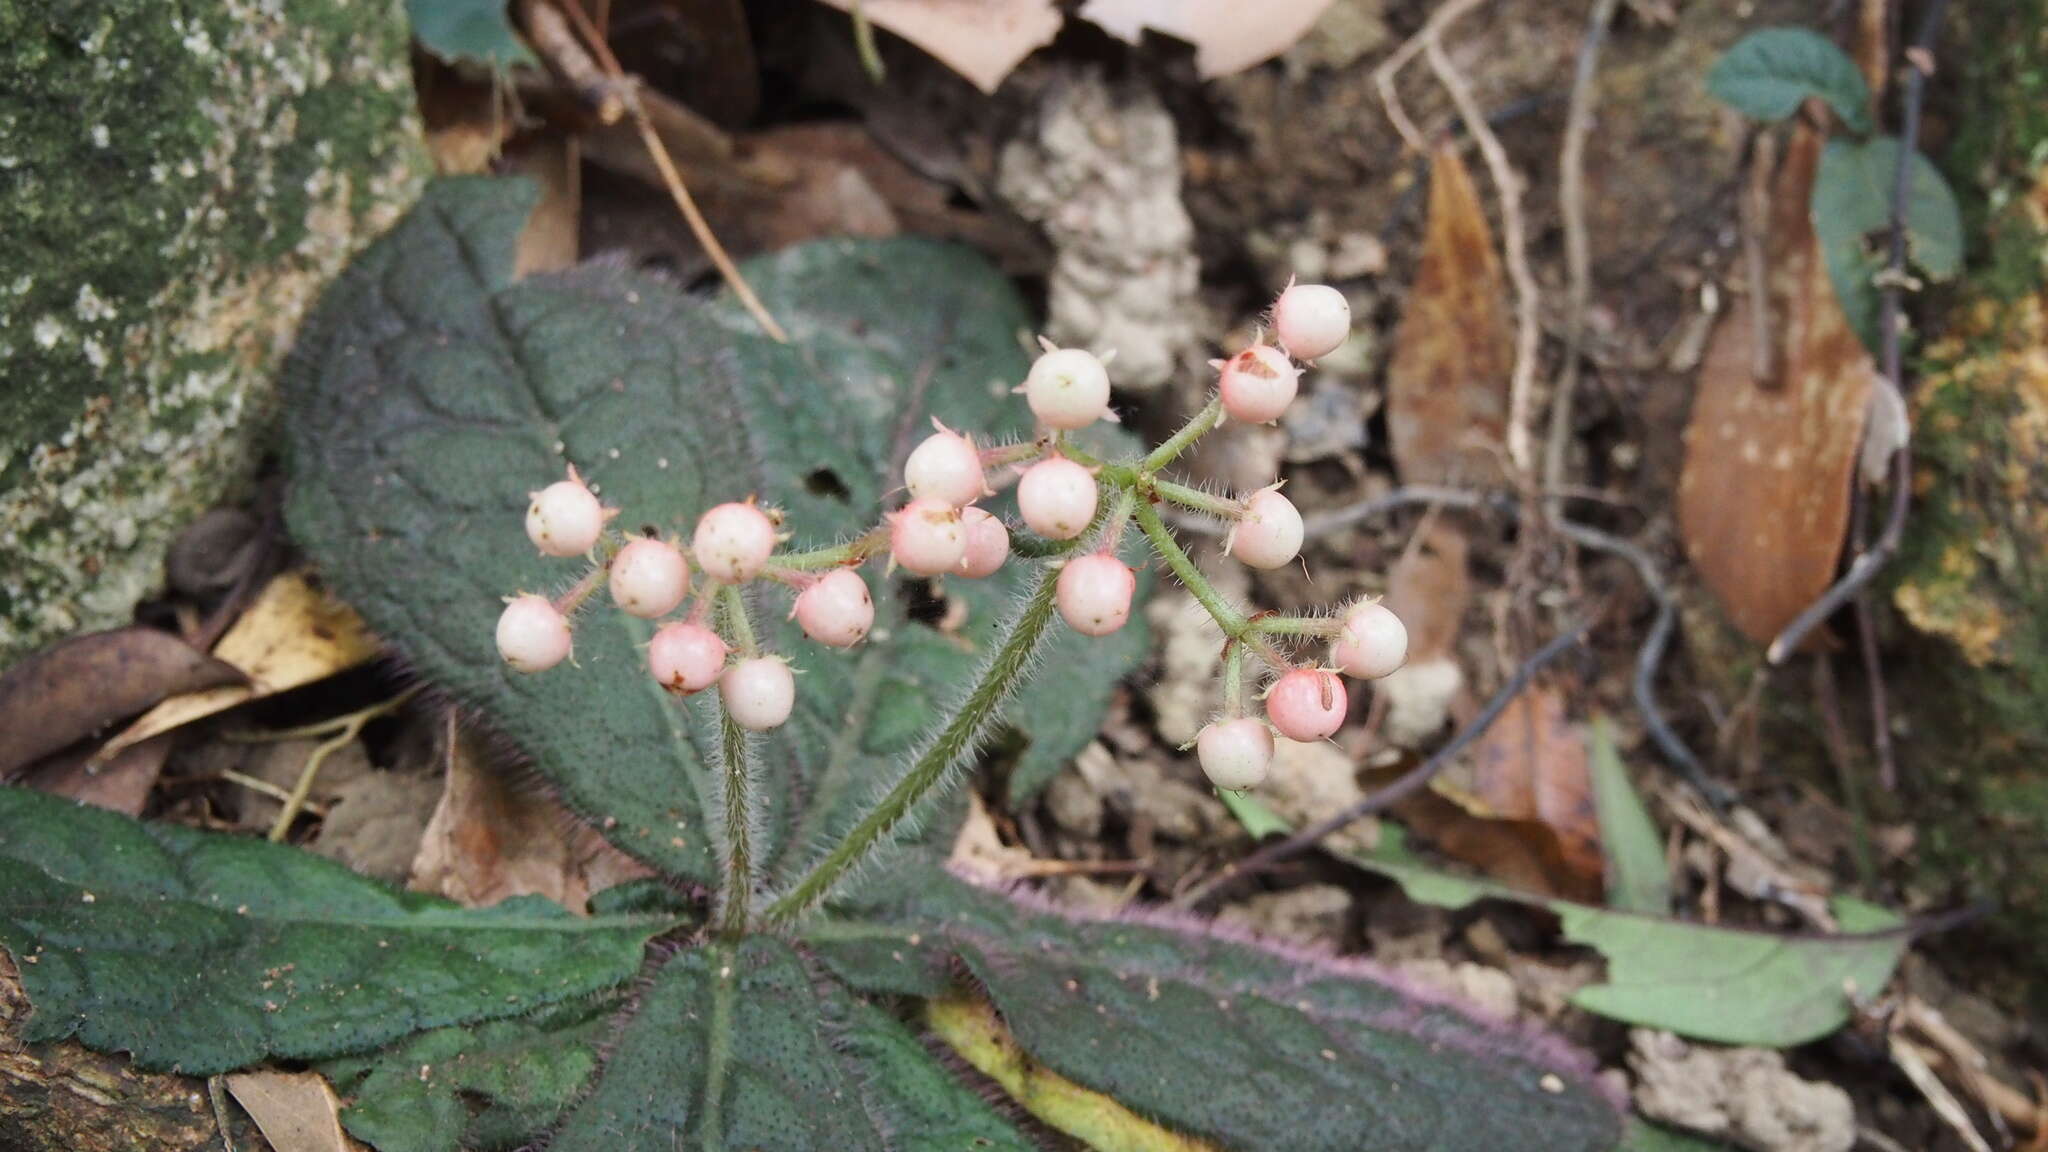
[1307, 704]
[1311, 320]
[759, 693]
[988, 544]
[733, 542]
[1371, 643]
[1258, 384]
[1094, 593]
[564, 518]
[1067, 388]
[1235, 754]
[945, 468]
[1269, 533]
[532, 636]
[1057, 498]
[686, 657]
[837, 610]
[928, 537]
[649, 578]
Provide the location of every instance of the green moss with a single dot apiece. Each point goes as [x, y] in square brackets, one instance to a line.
[178, 179]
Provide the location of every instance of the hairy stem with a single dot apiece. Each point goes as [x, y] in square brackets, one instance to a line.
[736, 900]
[1323, 627]
[1203, 423]
[1233, 680]
[733, 604]
[1227, 616]
[839, 555]
[1221, 507]
[955, 742]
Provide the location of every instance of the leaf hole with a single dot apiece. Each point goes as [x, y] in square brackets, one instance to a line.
[825, 482]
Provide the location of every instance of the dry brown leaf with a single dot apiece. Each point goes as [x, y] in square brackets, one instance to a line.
[550, 240]
[1447, 383]
[488, 840]
[297, 1111]
[982, 40]
[79, 686]
[122, 784]
[978, 847]
[1228, 35]
[1428, 588]
[1531, 771]
[467, 121]
[1763, 500]
[291, 635]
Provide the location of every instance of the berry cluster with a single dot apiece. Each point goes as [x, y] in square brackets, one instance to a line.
[940, 532]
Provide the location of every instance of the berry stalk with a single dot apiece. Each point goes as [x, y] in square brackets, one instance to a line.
[1201, 425]
[736, 898]
[1227, 615]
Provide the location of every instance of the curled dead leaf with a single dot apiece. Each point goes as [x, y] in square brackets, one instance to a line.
[1228, 35]
[297, 1111]
[1531, 773]
[982, 40]
[80, 686]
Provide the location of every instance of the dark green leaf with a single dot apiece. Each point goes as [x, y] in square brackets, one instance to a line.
[1768, 72]
[1235, 1043]
[1638, 879]
[478, 31]
[1852, 208]
[206, 952]
[484, 1087]
[429, 395]
[740, 1049]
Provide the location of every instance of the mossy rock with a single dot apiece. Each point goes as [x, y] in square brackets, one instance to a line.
[177, 182]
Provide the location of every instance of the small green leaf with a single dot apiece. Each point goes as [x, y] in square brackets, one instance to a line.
[1258, 820]
[1768, 72]
[478, 31]
[488, 1086]
[1852, 207]
[1638, 880]
[1643, 1136]
[204, 953]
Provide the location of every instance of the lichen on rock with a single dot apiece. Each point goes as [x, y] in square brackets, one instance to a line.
[178, 183]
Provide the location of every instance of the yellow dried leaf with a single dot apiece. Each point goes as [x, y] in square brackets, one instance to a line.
[297, 1111]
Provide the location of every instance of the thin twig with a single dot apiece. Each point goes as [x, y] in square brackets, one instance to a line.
[677, 190]
[1919, 62]
[557, 44]
[1514, 243]
[864, 43]
[1409, 783]
[1578, 248]
[1383, 76]
[345, 729]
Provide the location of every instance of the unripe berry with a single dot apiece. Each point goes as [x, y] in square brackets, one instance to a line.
[1269, 533]
[1311, 320]
[733, 542]
[837, 610]
[649, 578]
[1057, 498]
[686, 657]
[988, 544]
[564, 518]
[1258, 384]
[1235, 754]
[1067, 388]
[945, 468]
[1371, 643]
[1307, 704]
[759, 693]
[532, 636]
[1094, 593]
[928, 537]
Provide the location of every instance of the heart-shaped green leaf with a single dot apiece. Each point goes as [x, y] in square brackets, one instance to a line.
[1768, 72]
[1852, 207]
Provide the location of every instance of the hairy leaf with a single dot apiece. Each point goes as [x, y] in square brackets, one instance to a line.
[738, 1048]
[204, 952]
[478, 31]
[1229, 1041]
[1852, 209]
[430, 394]
[1768, 72]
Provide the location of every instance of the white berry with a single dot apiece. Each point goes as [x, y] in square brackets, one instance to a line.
[928, 537]
[564, 518]
[945, 468]
[1307, 704]
[649, 578]
[1057, 498]
[837, 610]
[733, 542]
[1371, 643]
[1311, 320]
[1067, 388]
[686, 657]
[1269, 533]
[532, 635]
[1235, 754]
[988, 544]
[759, 693]
[1094, 593]
[1258, 384]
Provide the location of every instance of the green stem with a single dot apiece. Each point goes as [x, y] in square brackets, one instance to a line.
[1203, 423]
[838, 556]
[1221, 507]
[737, 898]
[1233, 680]
[956, 741]
[718, 1049]
[1227, 616]
[734, 606]
[1323, 627]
